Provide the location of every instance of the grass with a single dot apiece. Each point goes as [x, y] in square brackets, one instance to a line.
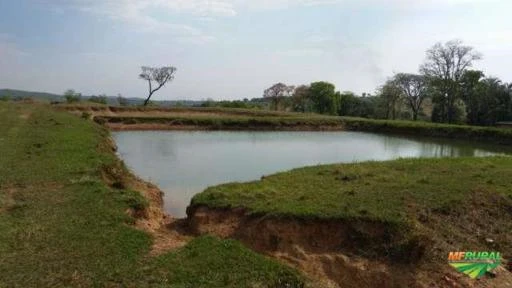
[378, 191]
[62, 226]
[227, 121]
[427, 207]
[418, 128]
[237, 119]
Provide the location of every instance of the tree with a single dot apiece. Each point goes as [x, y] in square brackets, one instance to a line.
[301, 99]
[444, 66]
[351, 105]
[6, 97]
[101, 99]
[159, 75]
[391, 95]
[471, 92]
[72, 96]
[323, 97]
[414, 88]
[121, 100]
[277, 92]
[494, 101]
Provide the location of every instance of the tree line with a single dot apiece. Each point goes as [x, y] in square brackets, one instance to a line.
[445, 89]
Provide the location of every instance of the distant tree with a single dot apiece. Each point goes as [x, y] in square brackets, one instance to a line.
[159, 75]
[121, 100]
[323, 97]
[301, 99]
[72, 96]
[5, 97]
[101, 99]
[444, 67]
[391, 96]
[414, 88]
[347, 103]
[494, 101]
[352, 105]
[471, 92]
[277, 93]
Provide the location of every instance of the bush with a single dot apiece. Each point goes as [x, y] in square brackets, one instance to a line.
[86, 115]
[5, 98]
[98, 99]
[134, 199]
[72, 97]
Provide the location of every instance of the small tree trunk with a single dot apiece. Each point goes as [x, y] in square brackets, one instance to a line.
[147, 99]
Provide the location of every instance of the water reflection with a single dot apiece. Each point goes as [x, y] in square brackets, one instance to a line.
[185, 163]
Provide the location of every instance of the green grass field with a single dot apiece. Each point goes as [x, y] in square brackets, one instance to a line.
[427, 207]
[62, 226]
[373, 190]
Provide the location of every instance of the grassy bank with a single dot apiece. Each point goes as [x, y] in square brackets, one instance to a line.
[451, 203]
[230, 122]
[62, 226]
[242, 119]
[374, 190]
[427, 129]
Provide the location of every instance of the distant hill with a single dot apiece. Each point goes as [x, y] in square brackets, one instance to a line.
[111, 100]
[29, 94]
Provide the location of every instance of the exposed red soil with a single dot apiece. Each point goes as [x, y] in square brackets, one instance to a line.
[328, 251]
[321, 249]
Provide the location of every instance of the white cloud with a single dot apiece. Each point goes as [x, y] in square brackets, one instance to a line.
[304, 52]
[390, 4]
[316, 39]
[205, 8]
[137, 13]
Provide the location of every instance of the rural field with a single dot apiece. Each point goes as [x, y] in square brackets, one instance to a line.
[72, 214]
[257, 144]
[63, 225]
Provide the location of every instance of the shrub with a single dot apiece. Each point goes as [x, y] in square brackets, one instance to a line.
[102, 99]
[72, 97]
[134, 199]
[86, 115]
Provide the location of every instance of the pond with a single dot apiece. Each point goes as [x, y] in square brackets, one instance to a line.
[183, 164]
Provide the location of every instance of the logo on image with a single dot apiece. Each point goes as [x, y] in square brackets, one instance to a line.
[474, 264]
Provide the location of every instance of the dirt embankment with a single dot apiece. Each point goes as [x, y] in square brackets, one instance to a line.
[167, 231]
[350, 253]
[339, 253]
[187, 127]
[336, 253]
[158, 118]
[151, 118]
[328, 251]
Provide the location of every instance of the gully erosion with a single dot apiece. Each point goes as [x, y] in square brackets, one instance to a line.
[356, 250]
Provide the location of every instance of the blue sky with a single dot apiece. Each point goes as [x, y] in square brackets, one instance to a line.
[233, 49]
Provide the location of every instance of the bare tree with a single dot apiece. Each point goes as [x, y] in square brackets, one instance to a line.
[277, 92]
[444, 67]
[414, 88]
[160, 76]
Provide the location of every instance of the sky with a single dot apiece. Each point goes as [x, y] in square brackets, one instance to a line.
[235, 49]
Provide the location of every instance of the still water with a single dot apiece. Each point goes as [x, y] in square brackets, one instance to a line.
[185, 163]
